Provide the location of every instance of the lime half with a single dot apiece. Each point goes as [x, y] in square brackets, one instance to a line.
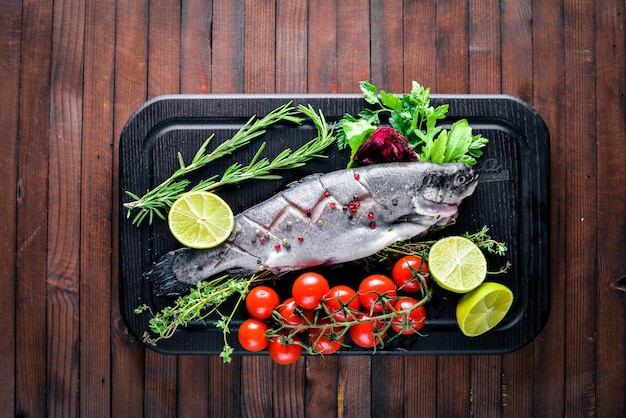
[483, 308]
[200, 220]
[457, 264]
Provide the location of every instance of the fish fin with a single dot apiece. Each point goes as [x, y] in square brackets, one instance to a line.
[164, 280]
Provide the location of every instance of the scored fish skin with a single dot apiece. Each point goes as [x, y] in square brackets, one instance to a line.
[325, 219]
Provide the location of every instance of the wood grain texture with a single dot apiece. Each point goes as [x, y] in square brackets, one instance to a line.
[97, 217]
[31, 375]
[611, 204]
[353, 47]
[10, 37]
[130, 90]
[549, 99]
[64, 202]
[291, 46]
[260, 47]
[75, 70]
[581, 201]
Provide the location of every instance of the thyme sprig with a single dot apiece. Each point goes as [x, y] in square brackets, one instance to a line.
[158, 200]
[203, 301]
[421, 247]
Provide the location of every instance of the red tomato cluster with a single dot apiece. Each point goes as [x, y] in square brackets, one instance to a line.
[330, 314]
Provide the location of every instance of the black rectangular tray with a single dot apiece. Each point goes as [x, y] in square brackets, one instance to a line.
[511, 200]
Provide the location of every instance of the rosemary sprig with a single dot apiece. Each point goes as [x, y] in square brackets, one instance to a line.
[262, 168]
[158, 200]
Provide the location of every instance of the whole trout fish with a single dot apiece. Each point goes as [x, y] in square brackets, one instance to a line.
[325, 219]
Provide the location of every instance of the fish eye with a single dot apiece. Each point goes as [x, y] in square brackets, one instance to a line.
[461, 178]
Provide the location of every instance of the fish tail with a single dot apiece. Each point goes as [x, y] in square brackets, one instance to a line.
[177, 271]
[165, 281]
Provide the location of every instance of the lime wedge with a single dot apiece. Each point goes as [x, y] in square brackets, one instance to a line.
[200, 220]
[457, 264]
[483, 308]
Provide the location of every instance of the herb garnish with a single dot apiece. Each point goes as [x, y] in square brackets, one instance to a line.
[156, 202]
[416, 119]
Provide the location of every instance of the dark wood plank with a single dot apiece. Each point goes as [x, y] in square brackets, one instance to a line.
[453, 394]
[288, 389]
[224, 388]
[452, 51]
[354, 391]
[386, 45]
[322, 48]
[256, 379]
[64, 202]
[193, 386]
[321, 386]
[611, 201]
[260, 47]
[549, 100]
[353, 48]
[485, 57]
[387, 57]
[517, 48]
[194, 375]
[10, 42]
[419, 32]
[420, 397]
[32, 225]
[420, 50]
[453, 388]
[580, 215]
[291, 46]
[387, 379]
[195, 72]
[485, 386]
[352, 63]
[97, 209]
[516, 79]
[127, 353]
[227, 69]
[160, 384]
[227, 54]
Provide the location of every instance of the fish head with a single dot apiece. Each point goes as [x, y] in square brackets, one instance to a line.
[443, 188]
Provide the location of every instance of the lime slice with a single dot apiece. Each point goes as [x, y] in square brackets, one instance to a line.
[457, 264]
[483, 308]
[200, 220]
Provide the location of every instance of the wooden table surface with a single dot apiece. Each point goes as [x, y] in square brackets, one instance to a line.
[74, 71]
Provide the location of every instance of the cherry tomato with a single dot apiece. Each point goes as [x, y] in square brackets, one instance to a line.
[342, 302]
[375, 291]
[292, 315]
[251, 334]
[411, 322]
[284, 353]
[309, 289]
[326, 340]
[261, 301]
[363, 334]
[410, 273]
